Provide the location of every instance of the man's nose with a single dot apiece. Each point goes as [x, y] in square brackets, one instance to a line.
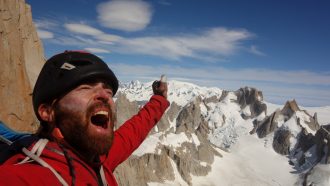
[101, 93]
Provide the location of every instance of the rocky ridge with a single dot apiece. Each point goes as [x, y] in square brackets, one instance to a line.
[191, 132]
[192, 157]
[21, 60]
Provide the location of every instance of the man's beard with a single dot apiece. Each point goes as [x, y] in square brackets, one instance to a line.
[75, 129]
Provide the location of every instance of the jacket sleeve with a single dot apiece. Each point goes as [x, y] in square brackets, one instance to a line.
[132, 133]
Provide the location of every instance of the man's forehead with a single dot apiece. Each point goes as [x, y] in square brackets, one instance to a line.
[95, 81]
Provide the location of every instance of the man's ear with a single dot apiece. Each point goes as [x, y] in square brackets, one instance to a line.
[46, 112]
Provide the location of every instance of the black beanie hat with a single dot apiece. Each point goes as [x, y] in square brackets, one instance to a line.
[63, 72]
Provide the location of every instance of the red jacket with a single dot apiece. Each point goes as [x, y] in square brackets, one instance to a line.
[126, 139]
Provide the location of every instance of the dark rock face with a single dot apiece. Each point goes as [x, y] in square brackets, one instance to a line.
[223, 95]
[290, 108]
[157, 167]
[310, 152]
[267, 126]
[144, 169]
[189, 119]
[318, 144]
[252, 98]
[313, 123]
[125, 109]
[281, 141]
[170, 115]
[322, 138]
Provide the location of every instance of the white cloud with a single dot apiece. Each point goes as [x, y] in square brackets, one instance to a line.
[45, 23]
[43, 34]
[126, 15]
[97, 50]
[77, 28]
[213, 42]
[207, 45]
[108, 38]
[164, 2]
[82, 29]
[254, 50]
[71, 41]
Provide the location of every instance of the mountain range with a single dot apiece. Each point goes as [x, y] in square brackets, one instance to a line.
[210, 136]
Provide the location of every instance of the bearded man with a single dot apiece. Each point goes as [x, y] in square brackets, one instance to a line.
[76, 143]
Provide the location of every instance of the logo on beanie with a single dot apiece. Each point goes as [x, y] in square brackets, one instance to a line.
[67, 66]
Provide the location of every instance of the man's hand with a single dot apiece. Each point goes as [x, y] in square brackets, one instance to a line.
[160, 88]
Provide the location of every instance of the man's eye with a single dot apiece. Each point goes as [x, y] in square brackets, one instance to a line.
[110, 92]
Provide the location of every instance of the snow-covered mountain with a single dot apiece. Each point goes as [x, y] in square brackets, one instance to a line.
[210, 136]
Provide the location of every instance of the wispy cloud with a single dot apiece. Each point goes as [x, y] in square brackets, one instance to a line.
[207, 45]
[46, 23]
[100, 36]
[79, 42]
[214, 42]
[107, 38]
[82, 29]
[126, 15]
[254, 50]
[97, 50]
[43, 34]
[44, 28]
[164, 2]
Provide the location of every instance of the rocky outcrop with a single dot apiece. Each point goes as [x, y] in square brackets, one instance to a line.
[147, 168]
[187, 159]
[190, 161]
[281, 141]
[189, 119]
[322, 138]
[290, 108]
[282, 135]
[311, 149]
[310, 155]
[252, 98]
[125, 108]
[169, 116]
[21, 55]
[266, 126]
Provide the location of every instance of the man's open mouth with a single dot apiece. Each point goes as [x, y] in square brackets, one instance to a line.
[100, 118]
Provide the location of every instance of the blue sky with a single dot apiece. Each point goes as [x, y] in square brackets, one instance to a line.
[281, 48]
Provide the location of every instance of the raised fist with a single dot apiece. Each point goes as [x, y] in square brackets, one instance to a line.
[160, 88]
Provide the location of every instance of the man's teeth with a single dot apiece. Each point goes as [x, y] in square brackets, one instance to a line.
[102, 113]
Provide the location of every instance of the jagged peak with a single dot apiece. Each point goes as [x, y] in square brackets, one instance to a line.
[131, 84]
[251, 93]
[290, 107]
